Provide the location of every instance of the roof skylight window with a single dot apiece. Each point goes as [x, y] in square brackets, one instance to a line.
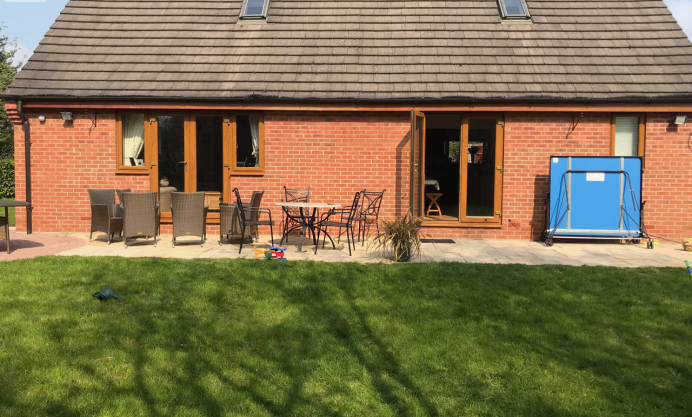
[514, 9]
[254, 9]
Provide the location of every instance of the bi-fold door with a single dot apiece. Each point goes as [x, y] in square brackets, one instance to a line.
[462, 162]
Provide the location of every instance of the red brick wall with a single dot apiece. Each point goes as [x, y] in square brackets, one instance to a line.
[667, 184]
[335, 154]
[339, 153]
[67, 158]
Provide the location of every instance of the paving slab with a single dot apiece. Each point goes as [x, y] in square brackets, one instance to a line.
[23, 246]
[462, 250]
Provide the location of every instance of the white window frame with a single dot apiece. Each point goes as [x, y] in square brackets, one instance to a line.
[505, 15]
[263, 15]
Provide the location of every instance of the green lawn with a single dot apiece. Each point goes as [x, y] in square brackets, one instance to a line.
[11, 212]
[259, 338]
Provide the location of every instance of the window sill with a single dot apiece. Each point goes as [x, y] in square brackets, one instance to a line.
[512, 22]
[247, 171]
[212, 218]
[132, 171]
[252, 21]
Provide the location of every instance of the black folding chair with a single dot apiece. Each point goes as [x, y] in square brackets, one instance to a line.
[253, 219]
[345, 220]
[369, 212]
[292, 218]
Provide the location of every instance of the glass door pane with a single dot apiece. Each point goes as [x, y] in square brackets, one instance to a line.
[209, 134]
[480, 173]
[171, 160]
[443, 162]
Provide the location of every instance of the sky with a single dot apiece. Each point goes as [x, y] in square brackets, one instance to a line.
[29, 20]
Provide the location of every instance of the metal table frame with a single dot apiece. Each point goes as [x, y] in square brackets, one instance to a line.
[306, 219]
[7, 204]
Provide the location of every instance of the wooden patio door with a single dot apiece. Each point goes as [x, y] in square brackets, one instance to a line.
[480, 195]
[170, 152]
[190, 152]
[210, 143]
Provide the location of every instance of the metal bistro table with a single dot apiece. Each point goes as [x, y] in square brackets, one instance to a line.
[6, 220]
[306, 218]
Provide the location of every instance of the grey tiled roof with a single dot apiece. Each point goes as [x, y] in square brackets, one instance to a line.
[361, 50]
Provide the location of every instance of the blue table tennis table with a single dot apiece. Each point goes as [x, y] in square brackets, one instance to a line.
[595, 197]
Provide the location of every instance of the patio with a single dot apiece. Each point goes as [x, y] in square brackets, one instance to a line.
[463, 250]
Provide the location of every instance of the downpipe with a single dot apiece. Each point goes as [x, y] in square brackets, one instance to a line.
[27, 162]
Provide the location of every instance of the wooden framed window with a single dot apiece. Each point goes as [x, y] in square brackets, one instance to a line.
[247, 146]
[627, 134]
[132, 138]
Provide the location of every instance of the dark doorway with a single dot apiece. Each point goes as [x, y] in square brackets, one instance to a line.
[442, 165]
[210, 159]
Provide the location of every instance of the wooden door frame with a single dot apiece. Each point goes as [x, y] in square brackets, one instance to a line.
[421, 167]
[152, 123]
[227, 120]
[476, 221]
[417, 162]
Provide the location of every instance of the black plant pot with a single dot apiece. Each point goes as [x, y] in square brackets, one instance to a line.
[404, 253]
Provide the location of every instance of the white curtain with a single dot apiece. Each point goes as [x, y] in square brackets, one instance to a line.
[133, 137]
[254, 130]
[626, 136]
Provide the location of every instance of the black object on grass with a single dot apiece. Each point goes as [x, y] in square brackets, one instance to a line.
[107, 294]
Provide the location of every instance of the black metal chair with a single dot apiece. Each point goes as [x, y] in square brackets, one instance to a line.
[292, 214]
[346, 220]
[369, 212]
[254, 216]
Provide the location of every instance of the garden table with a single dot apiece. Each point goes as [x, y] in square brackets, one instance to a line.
[306, 218]
[7, 204]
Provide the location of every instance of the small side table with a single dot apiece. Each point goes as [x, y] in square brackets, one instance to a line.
[433, 200]
[6, 220]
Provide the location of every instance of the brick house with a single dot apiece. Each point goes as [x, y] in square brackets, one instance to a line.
[471, 97]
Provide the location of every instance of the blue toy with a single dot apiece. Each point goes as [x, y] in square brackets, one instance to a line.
[276, 253]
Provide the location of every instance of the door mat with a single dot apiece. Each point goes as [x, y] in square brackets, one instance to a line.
[436, 241]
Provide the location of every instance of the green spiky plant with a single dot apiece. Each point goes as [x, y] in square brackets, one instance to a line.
[402, 236]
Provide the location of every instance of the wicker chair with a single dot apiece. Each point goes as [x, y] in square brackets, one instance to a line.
[369, 212]
[119, 192]
[189, 215]
[292, 213]
[141, 216]
[250, 216]
[346, 220]
[105, 215]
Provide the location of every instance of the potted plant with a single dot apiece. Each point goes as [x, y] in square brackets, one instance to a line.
[402, 236]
